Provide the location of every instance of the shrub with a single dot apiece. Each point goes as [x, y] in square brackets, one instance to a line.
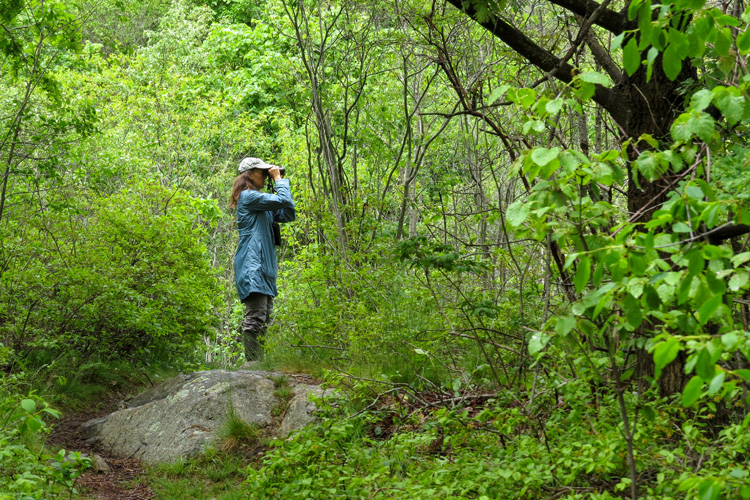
[117, 275]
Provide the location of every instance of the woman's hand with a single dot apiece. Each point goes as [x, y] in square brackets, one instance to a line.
[274, 173]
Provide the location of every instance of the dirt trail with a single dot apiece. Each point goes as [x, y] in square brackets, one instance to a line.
[126, 477]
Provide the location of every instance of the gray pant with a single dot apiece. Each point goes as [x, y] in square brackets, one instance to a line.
[258, 310]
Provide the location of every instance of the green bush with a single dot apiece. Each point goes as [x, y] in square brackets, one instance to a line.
[116, 275]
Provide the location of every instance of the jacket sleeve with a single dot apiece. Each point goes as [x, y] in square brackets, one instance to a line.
[286, 214]
[256, 201]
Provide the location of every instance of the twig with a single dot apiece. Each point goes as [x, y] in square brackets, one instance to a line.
[320, 347]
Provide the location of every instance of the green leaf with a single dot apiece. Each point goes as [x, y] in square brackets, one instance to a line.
[34, 424]
[701, 99]
[569, 261]
[537, 342]
[731, 103]
[664, 353]
[745, 374]
[694, 192]
[696, 44]
[594, 77]
[737, 281]
[692, 124]
[542, 156]
[740, 259]
[565, 324]
[678, 41]
[708, 489]
[553, 107]
[711, 216]
[743, 42]
[497, 93]
[617, 42]
[583, 273]
[672, 62]
[533, 126]
[705, 367]
[517, 212]
[696, 262]
[692, 391]
[29, 405]
[716, 383]
[730, 340]
[709, 308]
[525, 96]
[631, 57]
[632, 309]
[723, 42]
[650, 166]
[634, 7]
[651, 56]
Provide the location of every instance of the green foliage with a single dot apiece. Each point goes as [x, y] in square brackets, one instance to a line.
[424, 254]
[121, 275]
[29, 471]
[113, 241]
[570, 449]
[121, 26]
[659, 282]
[30, 25]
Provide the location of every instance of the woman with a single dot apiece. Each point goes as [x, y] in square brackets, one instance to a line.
[255, 259]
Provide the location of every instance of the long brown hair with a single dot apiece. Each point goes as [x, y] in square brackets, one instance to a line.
[241, 182]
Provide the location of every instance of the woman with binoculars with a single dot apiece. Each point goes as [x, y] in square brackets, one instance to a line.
[255, 258]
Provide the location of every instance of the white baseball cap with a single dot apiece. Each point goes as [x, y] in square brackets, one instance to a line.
[250, 163]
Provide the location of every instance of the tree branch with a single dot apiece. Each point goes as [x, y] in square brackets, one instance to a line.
[541, 58]
[726, 232]
[610, 20]
[600, 53]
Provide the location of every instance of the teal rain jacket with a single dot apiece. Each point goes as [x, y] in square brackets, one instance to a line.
[255, 259]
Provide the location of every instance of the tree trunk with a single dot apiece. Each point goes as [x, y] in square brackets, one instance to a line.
[653, 107]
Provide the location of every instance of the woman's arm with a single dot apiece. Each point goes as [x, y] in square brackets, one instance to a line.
[260, 202]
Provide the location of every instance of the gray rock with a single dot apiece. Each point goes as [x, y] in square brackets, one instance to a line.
[183, 415]
[160, 391]
[301, 411]
[90, 430]
[99, 465]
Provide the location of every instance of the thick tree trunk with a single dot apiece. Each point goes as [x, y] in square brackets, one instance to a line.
[652, 108]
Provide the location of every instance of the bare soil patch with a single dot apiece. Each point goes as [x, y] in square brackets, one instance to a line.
[125, 479]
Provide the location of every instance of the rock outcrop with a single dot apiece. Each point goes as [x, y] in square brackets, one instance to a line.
[183, 415]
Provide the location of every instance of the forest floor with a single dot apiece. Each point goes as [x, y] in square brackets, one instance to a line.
[126, 478]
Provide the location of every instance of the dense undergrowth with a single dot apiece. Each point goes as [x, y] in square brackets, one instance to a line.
[503, 447]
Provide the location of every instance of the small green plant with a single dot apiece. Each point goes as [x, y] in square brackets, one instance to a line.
[281, 380]
[211, 475]
[283, 392]
[29, 471]
[235, 433]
